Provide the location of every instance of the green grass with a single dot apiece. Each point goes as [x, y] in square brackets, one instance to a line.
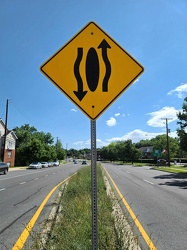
[73, 229]
[173, 169]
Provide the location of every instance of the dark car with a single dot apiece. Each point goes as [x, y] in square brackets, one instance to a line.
[3, 167]
[84, 162]
[162, 162]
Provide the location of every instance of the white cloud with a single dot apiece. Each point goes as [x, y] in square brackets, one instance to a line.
[73, 110]
[135, 135]
[111, 122]
[138, 135]
[157, 116]
[80, 143]
[87, 144]
[180, 91]
[117, 114]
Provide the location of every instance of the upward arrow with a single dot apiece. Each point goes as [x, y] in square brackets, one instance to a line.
[104, 46]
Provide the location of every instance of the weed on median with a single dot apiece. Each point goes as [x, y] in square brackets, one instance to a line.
[72, 229]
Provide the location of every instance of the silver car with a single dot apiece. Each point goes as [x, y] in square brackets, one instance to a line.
[44, 164]
[35, 165]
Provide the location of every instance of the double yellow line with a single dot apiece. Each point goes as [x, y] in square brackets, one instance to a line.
[134, 217]
[23, 237]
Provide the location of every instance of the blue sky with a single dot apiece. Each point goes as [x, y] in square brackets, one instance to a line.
[152, 31]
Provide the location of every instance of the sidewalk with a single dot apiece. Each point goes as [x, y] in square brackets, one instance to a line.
[17, 168]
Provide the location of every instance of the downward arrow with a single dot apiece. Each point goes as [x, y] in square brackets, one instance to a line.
[79, 93]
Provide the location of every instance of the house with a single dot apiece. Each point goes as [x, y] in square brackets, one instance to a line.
[7, 152]
[146, 152]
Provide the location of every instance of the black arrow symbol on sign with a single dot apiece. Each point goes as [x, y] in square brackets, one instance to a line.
[104, 46]
[80, 93]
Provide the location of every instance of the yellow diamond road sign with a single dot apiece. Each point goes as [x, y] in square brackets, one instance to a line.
[92, 70]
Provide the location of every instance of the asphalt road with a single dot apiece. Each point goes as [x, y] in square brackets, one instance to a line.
[21, 193]
[159, 200]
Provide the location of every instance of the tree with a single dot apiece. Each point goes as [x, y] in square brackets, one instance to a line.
[160, 143]
[181, 131]
[33, 145]
[143, 143]
[60, 152]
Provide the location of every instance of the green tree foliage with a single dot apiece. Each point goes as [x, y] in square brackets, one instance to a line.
[160, 143]
[120, 150]
[182, 130]
[35, 146]
[143, 143]
[73, 153]
[60, 152]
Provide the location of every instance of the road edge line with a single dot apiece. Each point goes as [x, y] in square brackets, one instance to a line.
[24, 235]
[133, 216]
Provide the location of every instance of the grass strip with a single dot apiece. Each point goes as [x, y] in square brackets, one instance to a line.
[73, 229]
[173, 169]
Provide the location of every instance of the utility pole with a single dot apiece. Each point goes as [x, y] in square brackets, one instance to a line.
[167, 131]
[66, 152]
[57, 147]
[6, 120]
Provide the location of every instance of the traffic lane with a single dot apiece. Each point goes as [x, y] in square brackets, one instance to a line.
[14, 178]
[162, 214]
[170, 182]
[19, 203]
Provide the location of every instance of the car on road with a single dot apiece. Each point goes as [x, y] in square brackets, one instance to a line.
[35, 165]
[56, 163]
[162, 162]
[84, 162]
[75, 161]
[50, 164]
[3, 167]
[44, 164]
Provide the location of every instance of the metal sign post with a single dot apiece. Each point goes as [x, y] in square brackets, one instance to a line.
[94, 185]
[92, 70]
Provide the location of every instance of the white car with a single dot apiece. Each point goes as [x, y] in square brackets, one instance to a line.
[44, 164]
[56, 163]
[35, 165]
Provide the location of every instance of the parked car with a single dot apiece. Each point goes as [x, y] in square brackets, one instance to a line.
[56, 163]
[84, 162]
[3, 167]
[75, 161]
[50, 164]
[35, 165]
[162, 162]
[44, 164]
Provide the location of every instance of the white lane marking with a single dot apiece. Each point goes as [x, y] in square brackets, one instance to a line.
[53, 173]
[127, 172]
[36, 179]
[18, 176]
[148, 182]
[22, 183]
[46, 175]
[2, 189]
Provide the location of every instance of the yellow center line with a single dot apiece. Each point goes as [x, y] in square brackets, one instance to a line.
[24, 235]
[134, 217]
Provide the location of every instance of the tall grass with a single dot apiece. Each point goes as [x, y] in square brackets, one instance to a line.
[73, 229]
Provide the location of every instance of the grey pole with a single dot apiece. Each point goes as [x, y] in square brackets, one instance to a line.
[94, 185]
[6, 120]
